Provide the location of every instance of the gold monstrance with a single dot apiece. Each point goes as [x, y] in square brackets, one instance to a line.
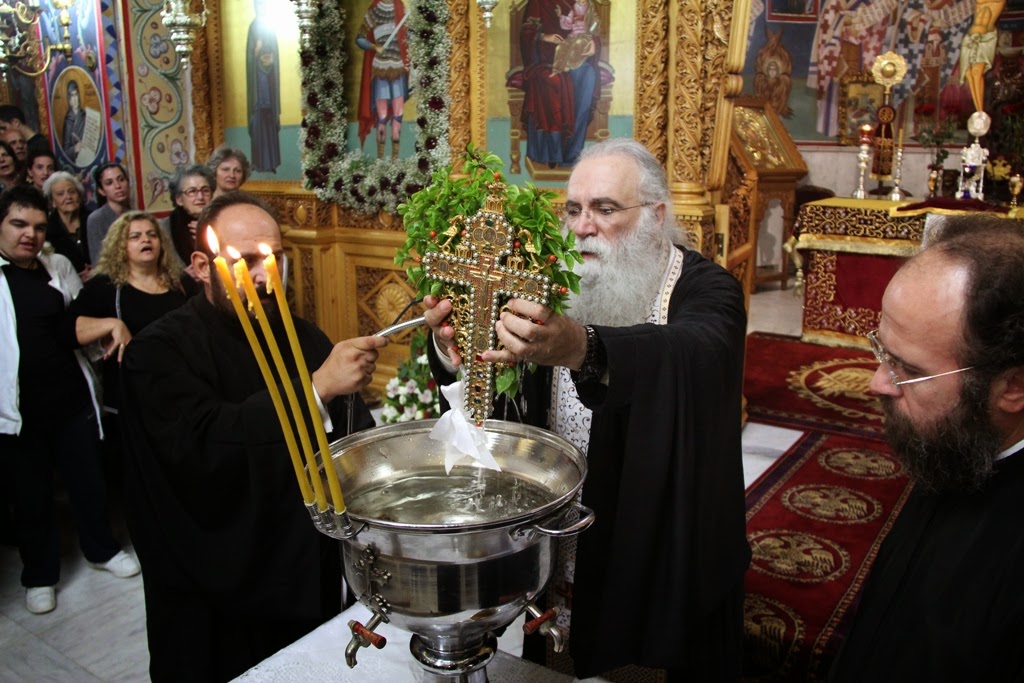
[481, 262]
[887, 70]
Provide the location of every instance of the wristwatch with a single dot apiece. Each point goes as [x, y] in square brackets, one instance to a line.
[595, 362]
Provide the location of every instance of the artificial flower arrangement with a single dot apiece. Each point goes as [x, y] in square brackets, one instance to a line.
[436, 221]
[412, 393]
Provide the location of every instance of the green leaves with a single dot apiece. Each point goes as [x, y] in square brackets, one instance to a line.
[541, 241]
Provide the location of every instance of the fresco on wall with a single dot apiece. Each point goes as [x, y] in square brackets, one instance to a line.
[78, 94]
[263, 90]
[810, 48]
[381, 105]
[383, 43]
[75, 107]
[262, 99]
[560, 76]
[156, 83]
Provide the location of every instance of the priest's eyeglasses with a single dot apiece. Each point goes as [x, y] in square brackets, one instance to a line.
[599, 213]
[891, 364]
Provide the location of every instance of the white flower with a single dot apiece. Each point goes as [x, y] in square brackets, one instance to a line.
[411, 387]
[404, 389]
[419, 414]
[422, 360]
[426, 396]
[410, 412]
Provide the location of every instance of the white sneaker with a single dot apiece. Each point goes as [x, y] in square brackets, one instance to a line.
[121, 565]
[40, 600]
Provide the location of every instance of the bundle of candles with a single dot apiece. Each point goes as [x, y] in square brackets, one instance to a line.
[331, 522]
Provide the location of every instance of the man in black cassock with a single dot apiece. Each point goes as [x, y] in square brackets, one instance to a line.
[645, 376]
[233, 568]
[944, 600]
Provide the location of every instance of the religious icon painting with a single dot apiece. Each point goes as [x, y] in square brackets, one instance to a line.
[382, 44]
[554, 128]
[75, 107]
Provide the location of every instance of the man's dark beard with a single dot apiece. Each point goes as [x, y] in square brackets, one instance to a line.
[957, 451]
[224, 305]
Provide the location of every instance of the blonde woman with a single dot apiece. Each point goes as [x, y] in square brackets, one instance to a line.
[137, 280]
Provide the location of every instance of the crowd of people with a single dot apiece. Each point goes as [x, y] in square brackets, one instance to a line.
[78, 280]
[644, 374]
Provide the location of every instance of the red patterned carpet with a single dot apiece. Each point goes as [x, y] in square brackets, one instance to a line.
[815, 521]
[810, 387]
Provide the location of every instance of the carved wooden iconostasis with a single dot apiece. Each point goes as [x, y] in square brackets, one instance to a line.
[681, 57]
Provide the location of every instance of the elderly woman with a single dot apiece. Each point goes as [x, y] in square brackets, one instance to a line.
[65, 229]
[137, 280]
[49, 412]
[231, 168]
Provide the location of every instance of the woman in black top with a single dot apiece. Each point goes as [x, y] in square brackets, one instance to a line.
[137, 280]
[65, 229]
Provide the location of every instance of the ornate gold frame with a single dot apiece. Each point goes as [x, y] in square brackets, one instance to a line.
[765, 141]
[850, 84]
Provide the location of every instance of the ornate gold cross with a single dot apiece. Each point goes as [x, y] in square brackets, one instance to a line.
[478, 263]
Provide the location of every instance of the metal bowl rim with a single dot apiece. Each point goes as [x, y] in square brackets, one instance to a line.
[339, 447]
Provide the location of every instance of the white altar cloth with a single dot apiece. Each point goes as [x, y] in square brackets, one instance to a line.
[320, 656]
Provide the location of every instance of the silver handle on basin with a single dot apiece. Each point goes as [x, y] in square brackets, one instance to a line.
[587, 518]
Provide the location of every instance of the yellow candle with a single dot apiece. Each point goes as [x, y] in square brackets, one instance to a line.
[243, 276]
[899, 144]
[274, 285]
[261, 359]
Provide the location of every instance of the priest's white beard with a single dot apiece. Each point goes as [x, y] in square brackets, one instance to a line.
[617, 289]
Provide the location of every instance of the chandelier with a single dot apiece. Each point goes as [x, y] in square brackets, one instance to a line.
[20, 48]
[182, 27]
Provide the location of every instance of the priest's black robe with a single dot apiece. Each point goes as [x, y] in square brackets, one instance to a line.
[659, 576]
[944, 600]
[232, 566]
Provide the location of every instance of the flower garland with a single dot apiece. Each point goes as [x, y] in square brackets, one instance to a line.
[412, 394]
[349, 178]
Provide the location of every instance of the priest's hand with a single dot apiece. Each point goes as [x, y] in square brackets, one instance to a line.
[534, 333]
[436, 314]
[349, 368]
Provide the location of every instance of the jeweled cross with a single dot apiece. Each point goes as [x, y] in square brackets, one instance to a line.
[478, 263]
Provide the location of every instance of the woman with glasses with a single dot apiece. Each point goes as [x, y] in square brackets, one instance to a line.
[191, 190]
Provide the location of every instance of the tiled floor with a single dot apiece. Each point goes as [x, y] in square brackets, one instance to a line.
[98, 633]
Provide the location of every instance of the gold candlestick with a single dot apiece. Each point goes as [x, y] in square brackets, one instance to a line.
[1016, 183]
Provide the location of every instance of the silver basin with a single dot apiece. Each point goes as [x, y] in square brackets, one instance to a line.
[454, 568]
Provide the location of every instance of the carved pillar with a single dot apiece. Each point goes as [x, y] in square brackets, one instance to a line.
[679, 110]
[206, 54]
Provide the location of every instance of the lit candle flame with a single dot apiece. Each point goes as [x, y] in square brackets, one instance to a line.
[211, 239]
[233, 253]
[264, 249]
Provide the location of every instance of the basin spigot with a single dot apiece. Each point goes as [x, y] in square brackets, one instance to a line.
[363, 636]
[544, 622]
